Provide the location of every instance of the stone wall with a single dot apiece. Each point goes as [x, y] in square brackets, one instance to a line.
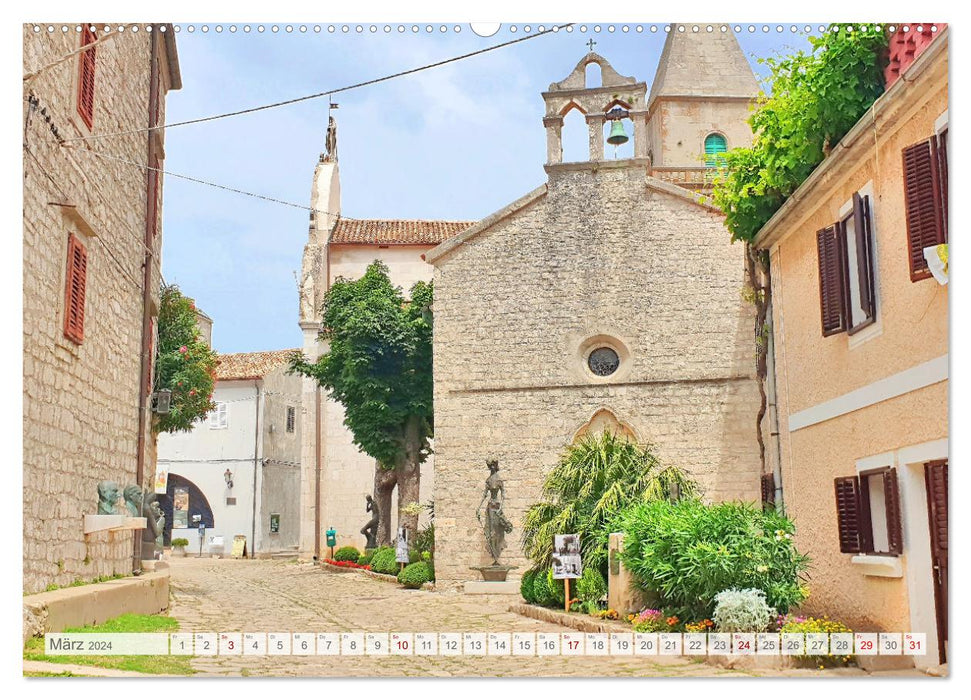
[80, 402]
[605, 253]
[280, 470]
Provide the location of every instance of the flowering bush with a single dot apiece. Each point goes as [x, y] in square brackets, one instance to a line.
[609, 614]
[347, 564]
[185, 365]
[808, 625]
[652, 620]
[685, 553]
[742, 611]
[703, 626]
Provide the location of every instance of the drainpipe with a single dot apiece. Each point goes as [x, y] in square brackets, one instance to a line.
[151, 216]
[257, 450]
[317, 476]
[773, 393]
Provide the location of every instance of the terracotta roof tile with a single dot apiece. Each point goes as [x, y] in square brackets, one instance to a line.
[251, 365]
[395, 231]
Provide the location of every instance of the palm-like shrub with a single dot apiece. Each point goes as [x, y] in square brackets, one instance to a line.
[596, 479]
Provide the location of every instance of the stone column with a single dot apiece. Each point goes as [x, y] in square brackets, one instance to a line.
[622, 595]
[554, 139]
[639, 119]
[595, 125]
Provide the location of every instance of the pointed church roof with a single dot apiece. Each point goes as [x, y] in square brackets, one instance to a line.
[702, 64]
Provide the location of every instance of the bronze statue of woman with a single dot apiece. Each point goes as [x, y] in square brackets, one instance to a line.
[496, 525]
[370, 531]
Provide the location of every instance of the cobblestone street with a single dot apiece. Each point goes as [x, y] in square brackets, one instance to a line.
[225, 595]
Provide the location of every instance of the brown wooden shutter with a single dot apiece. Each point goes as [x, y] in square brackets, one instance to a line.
[768, 489]
[922, 196]
[891, 492]
[849, 513]
[863, 225]
[74, 289]
[831, 297]
[86, 78]
[942, 178]
[936, 482]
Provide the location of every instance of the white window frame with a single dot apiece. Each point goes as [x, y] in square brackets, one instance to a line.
[874, 329]
[219, 416]
[881, 565]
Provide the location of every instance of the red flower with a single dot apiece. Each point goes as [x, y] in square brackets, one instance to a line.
[192, 392]
[183, 349]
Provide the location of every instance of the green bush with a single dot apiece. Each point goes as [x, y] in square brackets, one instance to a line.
[347, 554]
[596, 479]
[180, 542]
[557, 588]
[415, 575]
[526, 586]
[424, 540]
[384, 562]
[686, 553]
[742, 611]
[590, 587]
[542, 591]
[366, 557]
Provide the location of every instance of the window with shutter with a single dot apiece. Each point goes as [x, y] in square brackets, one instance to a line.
[291, 419]
[831, 270]
[219, 417]
[942, 177]
[924, 199]
[856, 240]
[74, 289]
[848, 515]
[86, 77]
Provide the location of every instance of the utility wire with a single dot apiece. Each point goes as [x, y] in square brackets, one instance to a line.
[325, 93]
[266, 198]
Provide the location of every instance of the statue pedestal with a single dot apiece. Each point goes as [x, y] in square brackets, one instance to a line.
[491, 588]
[494, 572]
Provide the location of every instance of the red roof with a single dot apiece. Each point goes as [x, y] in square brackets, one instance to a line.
[251, 365]
[395, 231]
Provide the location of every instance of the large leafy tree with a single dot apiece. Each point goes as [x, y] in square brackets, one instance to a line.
[596, 479]
[379, 368]
[185, 364]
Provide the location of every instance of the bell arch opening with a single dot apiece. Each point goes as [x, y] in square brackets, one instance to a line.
[593, 75]
[575, 139]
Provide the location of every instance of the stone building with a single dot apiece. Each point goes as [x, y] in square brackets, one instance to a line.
[239, 468]
[860, 335]
[608, 297]
[336, 474]
[92, 240]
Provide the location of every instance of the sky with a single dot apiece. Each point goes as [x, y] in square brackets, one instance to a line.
[455, 142]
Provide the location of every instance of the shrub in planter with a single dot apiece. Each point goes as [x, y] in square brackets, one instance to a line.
[526, 586]
[347, 554]
[366, 557]
[384, 562]
[415, 575]
[180, 542]
[742, 611]
[806, 625]
[542, 591]
[557, 588]
[591, 585]
[686, 553]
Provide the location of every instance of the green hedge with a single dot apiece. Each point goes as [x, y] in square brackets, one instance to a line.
[687, 552]
[384, 562]
[591, 586]
[526, 586]
[416, 574]
[347, 554]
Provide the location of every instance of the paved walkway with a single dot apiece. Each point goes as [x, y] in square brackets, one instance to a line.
[225, 595]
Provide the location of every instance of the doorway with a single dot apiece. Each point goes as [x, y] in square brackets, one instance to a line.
[935, 480]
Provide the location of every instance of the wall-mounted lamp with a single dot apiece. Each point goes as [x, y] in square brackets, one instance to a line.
[228, 475]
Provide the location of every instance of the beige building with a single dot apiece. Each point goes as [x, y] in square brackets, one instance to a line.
[607, 297]
[860, 333]
[92, 241]
[336, 475]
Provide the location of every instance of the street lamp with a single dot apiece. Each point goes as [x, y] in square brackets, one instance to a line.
[229, 478]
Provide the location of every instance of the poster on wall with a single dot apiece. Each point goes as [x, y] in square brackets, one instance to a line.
[566, 557]
[161, 480]
[180, 508]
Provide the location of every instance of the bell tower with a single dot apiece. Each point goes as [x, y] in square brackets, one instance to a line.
[618, 97]
[700, 98]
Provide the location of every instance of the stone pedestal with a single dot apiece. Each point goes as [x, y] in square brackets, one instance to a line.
[622, 595]
[491, 587]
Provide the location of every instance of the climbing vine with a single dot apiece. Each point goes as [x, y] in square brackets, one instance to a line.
[814, 99]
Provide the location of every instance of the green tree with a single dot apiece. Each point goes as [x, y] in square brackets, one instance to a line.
[595, 480]
[185, 365]
[379, 368]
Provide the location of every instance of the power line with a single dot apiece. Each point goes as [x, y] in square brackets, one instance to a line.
[325, 93]
[227, 188]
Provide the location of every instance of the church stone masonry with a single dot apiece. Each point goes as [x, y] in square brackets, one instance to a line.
[608, 258]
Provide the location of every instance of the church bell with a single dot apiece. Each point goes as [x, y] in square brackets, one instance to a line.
[618, 135]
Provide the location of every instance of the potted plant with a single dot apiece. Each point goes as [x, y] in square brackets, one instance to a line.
[178, 546]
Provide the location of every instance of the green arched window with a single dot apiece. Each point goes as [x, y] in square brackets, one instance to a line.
[715, 147]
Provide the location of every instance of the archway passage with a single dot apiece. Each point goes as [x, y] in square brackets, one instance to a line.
[198, 504]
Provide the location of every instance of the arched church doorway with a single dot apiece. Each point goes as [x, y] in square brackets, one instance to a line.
[183, 499]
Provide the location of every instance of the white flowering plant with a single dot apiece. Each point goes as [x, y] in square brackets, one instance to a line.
[742, 610]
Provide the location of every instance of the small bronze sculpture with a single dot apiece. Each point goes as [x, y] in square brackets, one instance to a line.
[107, 497]
[496, 526]
[133, 500]
[370, 531]
[156, 508]
[146, 509]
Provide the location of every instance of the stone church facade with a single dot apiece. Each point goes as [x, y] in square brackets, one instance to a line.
[610, 296]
